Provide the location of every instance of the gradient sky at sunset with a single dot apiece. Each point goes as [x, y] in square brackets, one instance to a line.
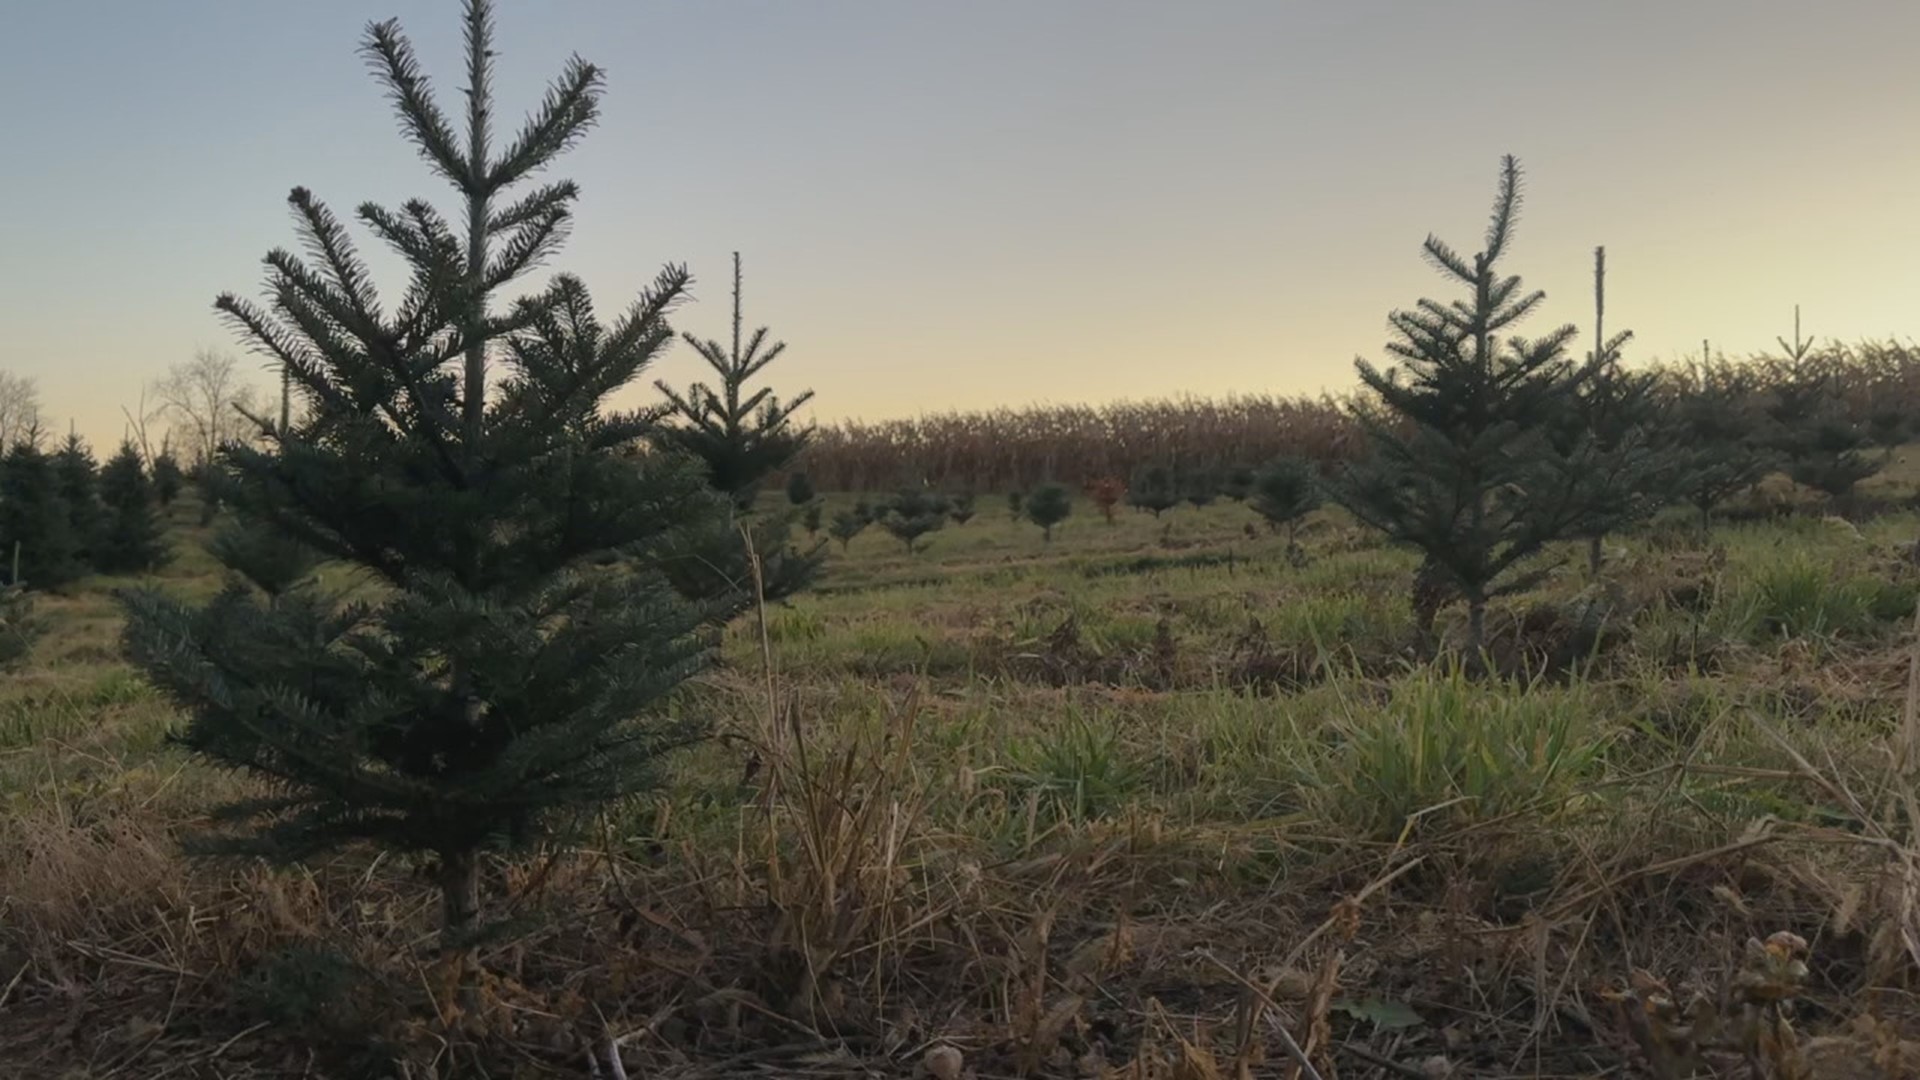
[967, 204]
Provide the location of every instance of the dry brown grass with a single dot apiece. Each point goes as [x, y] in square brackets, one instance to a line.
[874, 899]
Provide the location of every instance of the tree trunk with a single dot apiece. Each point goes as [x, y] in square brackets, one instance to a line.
[459, 890]
[1594, 555]
[1476, 629]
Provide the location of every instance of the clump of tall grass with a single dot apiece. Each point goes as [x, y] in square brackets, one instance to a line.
[1800, 596]
[1445, 750]
[1075, 772]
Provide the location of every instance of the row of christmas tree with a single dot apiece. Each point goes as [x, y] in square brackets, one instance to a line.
[62, 515]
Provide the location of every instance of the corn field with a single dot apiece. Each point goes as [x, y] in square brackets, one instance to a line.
[1013, 449]
[1008, 449]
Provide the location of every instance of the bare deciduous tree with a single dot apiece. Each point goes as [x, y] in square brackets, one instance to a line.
[19, 408]
[207, 400]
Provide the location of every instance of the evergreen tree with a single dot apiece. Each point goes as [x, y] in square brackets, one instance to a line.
[131, 539]
[799, 489]
[740, 438]
[810, 518]
[1048, 506]
[206, 481]
[1284, 493]
[1461, 467]
[1200, 488]
[1610, 434]
[79, 479]
[1820, 446]
[912, 514]
[1237, 482]
[1016, 500]
[167, 477]
[263, 557]
[1153, 490]
[1714, 431]
[960, 508]
[461, 456]
[36, 529]
[846, 525]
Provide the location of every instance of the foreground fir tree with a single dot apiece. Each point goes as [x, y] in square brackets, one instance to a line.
[1460, 465]
[740, 437]
[458, 453]
[131, 540]
[36, 530]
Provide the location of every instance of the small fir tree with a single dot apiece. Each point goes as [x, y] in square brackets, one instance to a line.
[35, 525]
[960, 508]
[1820, 446]
[1200, 488]
[1888, 427]
[1610, 434]
[1460, 463]
[846, 525]
[131, 540]
[1153, 490]
[168, 479]
[799, 489]
[1714, 431]
[740, 437]
[912, 514]
[79, 481]
[810, 518]
[1284, 493]
[461, 455]
[1048, 506]
[1237, 482]
[1016, 500]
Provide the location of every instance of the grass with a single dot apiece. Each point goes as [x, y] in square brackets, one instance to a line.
[1055, 807]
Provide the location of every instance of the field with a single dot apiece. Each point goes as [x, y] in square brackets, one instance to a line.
[1149, 801]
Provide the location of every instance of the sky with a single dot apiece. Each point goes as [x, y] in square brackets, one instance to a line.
[998, 202]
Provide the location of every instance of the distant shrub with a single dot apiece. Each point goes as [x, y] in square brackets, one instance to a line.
[1048, 506]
